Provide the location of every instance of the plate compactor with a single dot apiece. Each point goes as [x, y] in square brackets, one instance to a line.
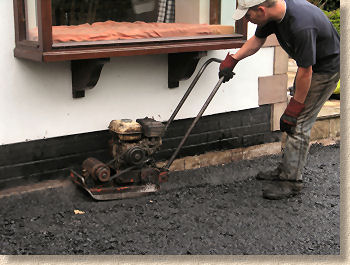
[133, 171]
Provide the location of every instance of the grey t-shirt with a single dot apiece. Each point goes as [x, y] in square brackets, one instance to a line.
[307, 35]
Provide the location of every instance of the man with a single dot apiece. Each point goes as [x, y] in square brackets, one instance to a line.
[308, 37]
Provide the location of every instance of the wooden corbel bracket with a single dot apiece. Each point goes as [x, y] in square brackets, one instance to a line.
[85, 74]
[181, 66]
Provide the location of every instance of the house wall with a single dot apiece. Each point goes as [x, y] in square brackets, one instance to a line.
[44, 132]
[36, 98]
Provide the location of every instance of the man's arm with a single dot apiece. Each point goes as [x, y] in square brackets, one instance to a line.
[302, 83]
[296, 105]
[249, 48]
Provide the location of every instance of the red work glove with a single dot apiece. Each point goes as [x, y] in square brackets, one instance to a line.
[289, 118]
[226, 67]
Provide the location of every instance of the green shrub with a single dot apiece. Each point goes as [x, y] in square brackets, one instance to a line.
[331, 5]
[327, 5]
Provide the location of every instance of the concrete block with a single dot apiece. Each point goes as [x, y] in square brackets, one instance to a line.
[280, 65]
[276, 113]
[192, 162]
[334, 129]
[272, 89]
[178, 165]
[320, 130]
[161, 164]
[283, 140]
[330, 109]
[262, 150]
[215, 158]
[236, 154]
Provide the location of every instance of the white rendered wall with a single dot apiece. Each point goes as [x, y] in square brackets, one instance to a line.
[36, 98]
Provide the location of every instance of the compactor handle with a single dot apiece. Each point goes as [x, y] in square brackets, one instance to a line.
[211, 96]
[189, 90]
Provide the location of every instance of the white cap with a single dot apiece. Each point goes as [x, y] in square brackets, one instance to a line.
[243, 6]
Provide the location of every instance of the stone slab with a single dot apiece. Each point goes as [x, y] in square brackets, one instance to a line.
[334, 128]
[320, 130]
[272, 89]
[280, 65]
[276, 113]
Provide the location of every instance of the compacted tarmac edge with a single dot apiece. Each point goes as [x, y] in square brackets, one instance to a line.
[214, 210]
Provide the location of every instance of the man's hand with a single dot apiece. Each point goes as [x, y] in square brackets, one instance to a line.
[226, 67]
[289, 118]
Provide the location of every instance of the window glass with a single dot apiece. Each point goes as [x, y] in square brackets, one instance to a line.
[76, 12]
[227, 8]
[31, 19]
[111, 20]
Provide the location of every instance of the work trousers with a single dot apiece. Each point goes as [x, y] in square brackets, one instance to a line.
[296, 146]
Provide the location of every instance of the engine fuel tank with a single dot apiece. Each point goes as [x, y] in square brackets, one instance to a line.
[126, 129]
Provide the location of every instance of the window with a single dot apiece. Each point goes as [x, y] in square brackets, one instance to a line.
[53, 30]
[31, 18]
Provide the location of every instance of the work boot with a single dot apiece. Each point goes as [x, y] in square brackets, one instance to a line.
[269, 175]
[282, 189]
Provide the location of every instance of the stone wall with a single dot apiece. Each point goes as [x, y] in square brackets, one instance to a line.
[273, 89]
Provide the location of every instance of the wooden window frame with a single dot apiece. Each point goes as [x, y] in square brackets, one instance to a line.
[45, 51]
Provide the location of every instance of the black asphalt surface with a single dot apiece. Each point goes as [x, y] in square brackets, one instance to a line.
[215, 210]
